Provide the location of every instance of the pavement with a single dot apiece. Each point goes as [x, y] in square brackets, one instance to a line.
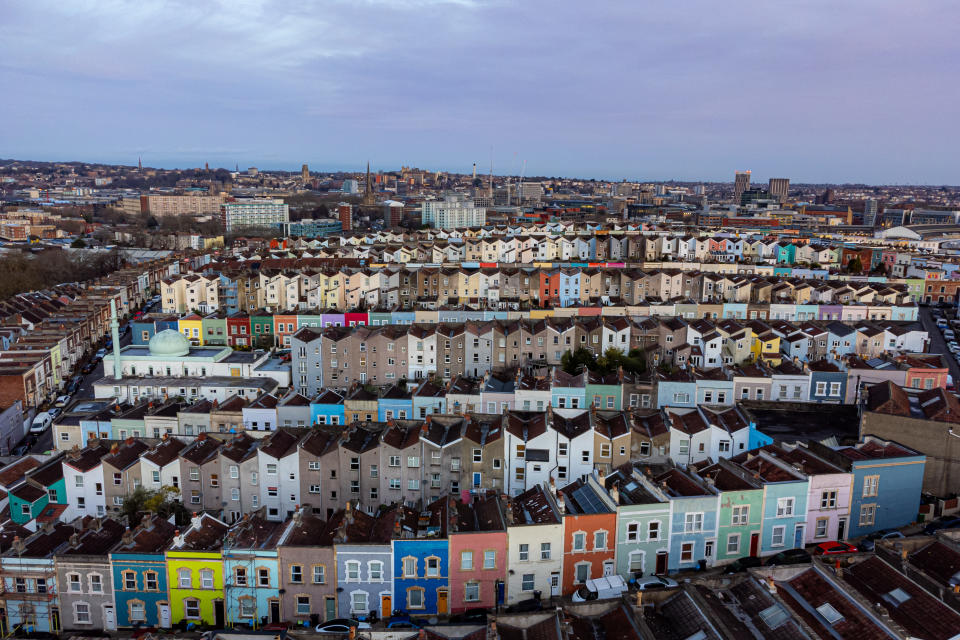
[937, 343]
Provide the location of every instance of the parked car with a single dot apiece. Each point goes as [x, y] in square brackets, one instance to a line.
[40, 422]
[833, 548]
[742, 564]
[525, 606]
[54, 412]
[655, 583]
[100, 353]
[62, 401]
[72, 387]
[869, 543]
[946, 522]
[790, 556]
[600, 589]
[341, 625]
[89, 367]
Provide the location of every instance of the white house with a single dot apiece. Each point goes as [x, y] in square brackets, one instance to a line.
[534, 550]
[279, 464]
[83, 477]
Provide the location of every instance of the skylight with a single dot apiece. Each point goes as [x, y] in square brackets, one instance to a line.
[898, 596]
[831, 615]
[773, 616]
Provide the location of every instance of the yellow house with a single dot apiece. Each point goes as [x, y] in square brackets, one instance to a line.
[192, 327]
[195, 572]
[767, 346]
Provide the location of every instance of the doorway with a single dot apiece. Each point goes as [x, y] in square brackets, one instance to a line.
[163, 610]
[218, 614]
[443, 596]
[274, 611]
[661, 563]
[754, 544]
[555, 583]
[385, 606]
[109, 618]
[841, 529]
[798, 536]
[608, 568]
[329, 608]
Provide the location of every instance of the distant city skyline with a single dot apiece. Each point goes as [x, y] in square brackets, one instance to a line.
[859, 92]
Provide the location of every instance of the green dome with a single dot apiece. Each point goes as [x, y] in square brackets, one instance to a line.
[169, 343]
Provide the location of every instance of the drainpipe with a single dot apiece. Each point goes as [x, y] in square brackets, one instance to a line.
[115, 334]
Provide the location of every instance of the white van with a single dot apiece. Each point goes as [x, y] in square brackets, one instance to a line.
[41, 422]
[600, 589]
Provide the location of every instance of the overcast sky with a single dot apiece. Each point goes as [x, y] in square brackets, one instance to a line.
[655, 89]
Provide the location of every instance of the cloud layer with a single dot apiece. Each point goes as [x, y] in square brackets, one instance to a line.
[818, 91]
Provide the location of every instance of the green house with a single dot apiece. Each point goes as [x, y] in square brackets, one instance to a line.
[34, 488]
[740, 515]
[261, 324]
[604, 392]
[214, 330]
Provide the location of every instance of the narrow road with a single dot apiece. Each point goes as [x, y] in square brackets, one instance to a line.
[937, 343]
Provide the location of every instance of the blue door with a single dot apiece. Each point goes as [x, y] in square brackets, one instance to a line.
[798, 537]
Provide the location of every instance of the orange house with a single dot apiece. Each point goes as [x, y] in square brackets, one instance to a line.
[589, 532]
[283, 328]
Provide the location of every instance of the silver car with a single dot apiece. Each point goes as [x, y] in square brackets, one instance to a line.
[655, 583]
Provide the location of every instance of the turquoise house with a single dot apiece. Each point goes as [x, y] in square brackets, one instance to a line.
[784, 510]
[251, 571]
[740, 512]
[643, 516]
[38, 487]
[693, 522]
[327, 408]
[567, 391]
[604, 392]
[140, 574]
[396, 403]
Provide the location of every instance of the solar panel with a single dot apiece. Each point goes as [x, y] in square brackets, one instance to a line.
[589, 501]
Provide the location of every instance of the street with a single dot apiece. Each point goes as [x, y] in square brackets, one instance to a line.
[937, 343]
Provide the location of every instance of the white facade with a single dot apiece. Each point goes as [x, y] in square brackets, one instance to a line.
[253, 213]
[533, 536]
[453, 213]
[279, 484]
[85, 495]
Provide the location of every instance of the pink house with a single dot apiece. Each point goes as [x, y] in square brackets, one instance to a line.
[477, 536]
[828, 497]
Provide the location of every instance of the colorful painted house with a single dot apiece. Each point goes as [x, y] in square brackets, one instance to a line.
[195, 572]
[478, 552]
[307, 570]
[364, 555]
[589, 530]
[740, 509]
[29, 577]
[251, 587]
[140, 574]
[83, 574]
[693, 521]
[327, 408]
[421, 561]
[785, 492]
[643, 518]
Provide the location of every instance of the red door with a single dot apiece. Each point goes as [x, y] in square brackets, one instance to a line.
[754, 543]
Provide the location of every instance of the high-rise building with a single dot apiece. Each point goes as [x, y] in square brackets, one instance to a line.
[870, 212]
[345, 213]
[779, 188]
[741, 182]
[453, 212]
[305, 174]
[392, 214]
[253, 213]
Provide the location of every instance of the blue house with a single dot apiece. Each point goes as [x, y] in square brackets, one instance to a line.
[421, 576]
[887, 481]
[828, 382]
[678, 389]
[140, 574]
[251, 574]
[429, 398]
[327, 408]
[363, 547]
[567, 391]
[784, 517]
[395, 403]
[693, 521]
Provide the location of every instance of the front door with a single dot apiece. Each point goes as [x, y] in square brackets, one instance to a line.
[798, 536]
[55, 619]
[218, 614]
[661, 563]
[841, 528]
[555, 583]
[754, 544]
[608, 568]
[385, 605]
[329, 608]
[164, 613]
[274, 611]
[109, 618]
[442, 595]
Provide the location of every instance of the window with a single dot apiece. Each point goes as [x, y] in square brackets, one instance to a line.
[191, 608]
[524, 552]
[605, 449]
[214, 480]
[138, 611]
[868, 513]
[579, 541]
[599, 540]
[73, 583]
[375, 571]
[733, 543]
[263, 577]
[271, 469]
[247, 607]
[194, 474]
[821, 388]
[415, 599]
[303, 605]
[206, 579]
[129, 581]
[741, 515]
[544, 550]
[585, 457]
[784, 507]
[821, 529]
[562, 449]
[235, 494]
[686, 552]
[582, 572]
[527, 582]
[183, 579]
[871, 486]
[489, 559]
[374, 472]
[835, 389]
[234, 471]
[296, 573]
[684, 447]
[394, 461]
[828, 499]
[353, 571]
[319, 574]
[777, 538]
[433, 567]
[693, 523]
[653, 530]
[633, 532]
[471, 592]
[81, 613]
